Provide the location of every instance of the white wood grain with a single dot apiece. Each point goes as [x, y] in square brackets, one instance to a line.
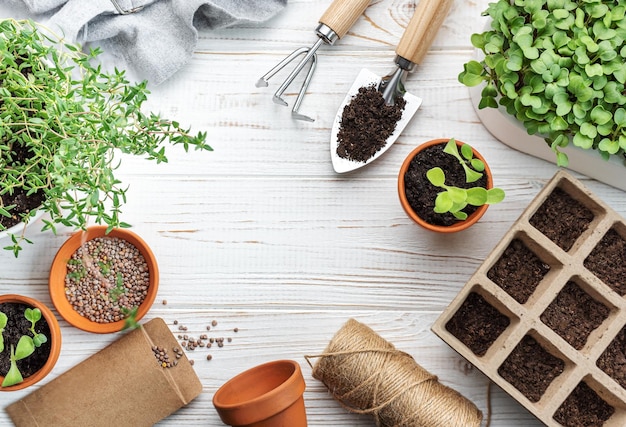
[262, 235]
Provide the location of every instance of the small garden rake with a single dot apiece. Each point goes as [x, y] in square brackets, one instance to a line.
[333, 25]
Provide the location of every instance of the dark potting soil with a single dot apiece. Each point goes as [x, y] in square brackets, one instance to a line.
[562, 219]
[613, 359]
[518, 271]
[608, 261]
[574, 314]
[18, 325]
[421, 194]
[366, 124]
[583, 408]
[530, 368]
[477, 324]
[23, 203]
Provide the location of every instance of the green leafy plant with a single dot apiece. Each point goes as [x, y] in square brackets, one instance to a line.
[558, 67]
[3, 324]
[25, 346]
[63, 121]
[454, 199]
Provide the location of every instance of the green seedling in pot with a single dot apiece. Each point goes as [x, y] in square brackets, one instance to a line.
[34, 315]
[25, 347]
[3, 324]
[454, 199]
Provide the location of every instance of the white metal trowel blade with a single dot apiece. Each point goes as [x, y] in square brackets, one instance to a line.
[367, 78]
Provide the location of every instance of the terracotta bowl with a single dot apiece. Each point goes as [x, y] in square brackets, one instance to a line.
[54, 339]
[268, 395]
[58, 271]
[459, 225]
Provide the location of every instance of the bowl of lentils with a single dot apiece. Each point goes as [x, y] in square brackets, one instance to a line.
[102, 282]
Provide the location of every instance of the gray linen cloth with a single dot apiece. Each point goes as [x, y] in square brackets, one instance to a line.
[154, 38]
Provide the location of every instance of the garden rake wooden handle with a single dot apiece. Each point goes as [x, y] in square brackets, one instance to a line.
[422, 29]
[342, 14]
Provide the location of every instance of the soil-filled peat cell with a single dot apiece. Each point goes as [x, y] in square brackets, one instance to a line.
[530, 368]
[613, 359]
[574, 314]
[608, 261]
[583, 408]
[518, 271]
[562, 219]
[477, 324]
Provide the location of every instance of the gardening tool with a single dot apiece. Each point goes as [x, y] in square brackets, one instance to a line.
[411, 49]
[333, 25]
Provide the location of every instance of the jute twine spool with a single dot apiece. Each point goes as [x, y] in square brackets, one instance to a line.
[367, 375]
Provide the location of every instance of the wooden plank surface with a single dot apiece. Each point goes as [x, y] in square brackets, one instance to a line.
[262, 235]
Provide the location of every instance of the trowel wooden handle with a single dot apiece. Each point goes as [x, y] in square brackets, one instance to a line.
[342, 14]
[422, 29]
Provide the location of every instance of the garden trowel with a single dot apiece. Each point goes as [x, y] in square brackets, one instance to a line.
[415, 42]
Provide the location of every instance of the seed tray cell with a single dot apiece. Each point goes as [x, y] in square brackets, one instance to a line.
[570, 293]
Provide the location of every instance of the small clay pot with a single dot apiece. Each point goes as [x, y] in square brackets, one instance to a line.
[58, 271]
[457, 226]
[54, 339]
[269, 395]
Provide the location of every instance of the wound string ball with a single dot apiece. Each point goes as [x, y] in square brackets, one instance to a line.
[367, 375]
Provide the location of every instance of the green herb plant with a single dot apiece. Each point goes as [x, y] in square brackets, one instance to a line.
[559, 67]
[26, 346]
[63, 124]
[454, 199]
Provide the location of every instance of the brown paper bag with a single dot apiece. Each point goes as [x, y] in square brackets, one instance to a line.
[123, 384]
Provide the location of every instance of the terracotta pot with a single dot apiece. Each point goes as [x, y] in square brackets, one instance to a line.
[457, 226]
[269, 395]
[58, 271]
[54, 339]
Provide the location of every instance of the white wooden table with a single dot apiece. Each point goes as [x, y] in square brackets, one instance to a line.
[264, 236]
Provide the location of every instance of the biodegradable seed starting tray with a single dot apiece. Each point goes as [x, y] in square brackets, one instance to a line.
[544, 317]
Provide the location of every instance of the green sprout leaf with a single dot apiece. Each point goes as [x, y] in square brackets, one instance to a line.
[3, 324]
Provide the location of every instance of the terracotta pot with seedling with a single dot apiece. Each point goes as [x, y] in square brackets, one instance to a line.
[30, 342]
[104, 282]
[64, 123]
[550, 80]
[445, 185]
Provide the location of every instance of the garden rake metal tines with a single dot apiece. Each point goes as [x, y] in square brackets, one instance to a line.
[333, 25]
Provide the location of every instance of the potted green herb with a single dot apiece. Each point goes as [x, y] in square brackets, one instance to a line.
[30, 341]
[63, 121]
[558, 68]
[445, 185]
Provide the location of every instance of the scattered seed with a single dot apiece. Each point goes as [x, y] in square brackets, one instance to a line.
[236, 330]
[176, 322]
[164, 302]
[209, 357]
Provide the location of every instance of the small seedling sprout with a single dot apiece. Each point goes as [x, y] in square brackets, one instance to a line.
[473, 166]
[25, 347]
[34, 315]
[3, 324]
[454, 199]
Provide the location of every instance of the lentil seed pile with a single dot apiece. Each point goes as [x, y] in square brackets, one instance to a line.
[106, 277]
